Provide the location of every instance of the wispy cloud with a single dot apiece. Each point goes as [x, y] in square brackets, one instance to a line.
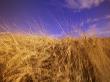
[83, 4]
[107, 17]
[99, 30]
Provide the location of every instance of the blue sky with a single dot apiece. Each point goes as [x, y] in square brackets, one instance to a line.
[56, 17]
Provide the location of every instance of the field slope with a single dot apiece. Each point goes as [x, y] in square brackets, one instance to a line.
[27, 58]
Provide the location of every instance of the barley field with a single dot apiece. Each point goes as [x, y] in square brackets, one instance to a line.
[29, 58]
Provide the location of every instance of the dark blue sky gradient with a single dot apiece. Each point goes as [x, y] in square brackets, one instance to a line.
[51, 15]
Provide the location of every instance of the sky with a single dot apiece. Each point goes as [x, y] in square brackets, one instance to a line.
[56, 17]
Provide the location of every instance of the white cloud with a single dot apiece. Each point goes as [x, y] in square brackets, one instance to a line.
[99, 30]
[98, 19]
[83, 4]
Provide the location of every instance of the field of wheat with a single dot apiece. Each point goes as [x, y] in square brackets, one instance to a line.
[29, 58]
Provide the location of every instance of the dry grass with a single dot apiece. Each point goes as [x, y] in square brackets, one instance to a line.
[44, 59]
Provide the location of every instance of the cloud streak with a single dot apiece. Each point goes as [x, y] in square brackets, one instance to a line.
[83, 4]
